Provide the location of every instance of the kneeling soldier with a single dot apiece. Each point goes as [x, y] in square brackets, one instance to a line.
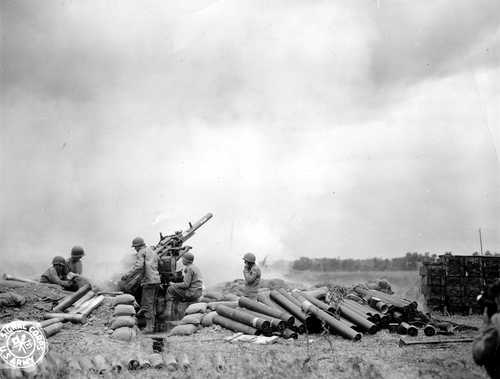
[191, 288]
[59, 274]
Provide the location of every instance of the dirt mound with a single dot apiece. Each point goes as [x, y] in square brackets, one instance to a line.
[237, 286]
[40, 298]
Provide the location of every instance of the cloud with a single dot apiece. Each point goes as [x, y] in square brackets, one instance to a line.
[287, 120]
[422, 40]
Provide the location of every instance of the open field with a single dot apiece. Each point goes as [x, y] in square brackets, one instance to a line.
[315, 356]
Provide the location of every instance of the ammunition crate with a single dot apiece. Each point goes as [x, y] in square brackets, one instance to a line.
[455, 281]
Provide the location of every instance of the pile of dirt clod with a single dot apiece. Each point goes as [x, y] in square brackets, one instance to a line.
[39, 297]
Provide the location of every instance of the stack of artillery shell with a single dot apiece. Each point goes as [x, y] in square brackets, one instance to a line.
[124, 321]
[336, 326]
[282, 318]
[399, 310]
[393, 302]
[349, 316]
[366, 311]
[292, 322]
[71, 299]
[81, 304]
[289, 303]
[239, 320]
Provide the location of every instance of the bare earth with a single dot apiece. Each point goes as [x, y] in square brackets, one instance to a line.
[315, 356]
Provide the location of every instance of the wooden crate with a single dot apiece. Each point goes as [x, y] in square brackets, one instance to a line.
[473, 266]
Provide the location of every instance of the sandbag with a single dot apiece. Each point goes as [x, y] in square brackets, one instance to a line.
[124, 310]
[123, 321]
[124, 299]
[183, 330]
[213, 295]
[196, 308]
[124, 334]
[208, 319]
[194, 319]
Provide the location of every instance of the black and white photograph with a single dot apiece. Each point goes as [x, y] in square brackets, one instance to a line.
[250, 189]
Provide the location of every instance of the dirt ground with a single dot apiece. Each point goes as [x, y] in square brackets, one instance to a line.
[315, 356]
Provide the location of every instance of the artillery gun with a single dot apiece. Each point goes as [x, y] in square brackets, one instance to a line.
[170, 249]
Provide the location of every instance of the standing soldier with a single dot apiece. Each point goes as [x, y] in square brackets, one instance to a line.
[191, 288]
[147, 263]
[252, 276]
[75, 261]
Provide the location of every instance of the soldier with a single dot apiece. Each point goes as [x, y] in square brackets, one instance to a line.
[251, 272]
[191, 288]
[59, 274]
[75, 261]
[486, 347]
[147, 263]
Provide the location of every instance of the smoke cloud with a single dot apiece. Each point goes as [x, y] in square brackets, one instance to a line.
[308, 129]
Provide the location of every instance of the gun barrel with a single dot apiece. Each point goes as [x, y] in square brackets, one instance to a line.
[197, 225]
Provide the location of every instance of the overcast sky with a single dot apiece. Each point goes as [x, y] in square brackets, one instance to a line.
[354, 128]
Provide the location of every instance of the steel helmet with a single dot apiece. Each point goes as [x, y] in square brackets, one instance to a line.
[188, 258]
[58, 261]
[77, 251]
[249, 257]
[138, 242]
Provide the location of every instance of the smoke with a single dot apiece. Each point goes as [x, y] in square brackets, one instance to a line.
[285, 120]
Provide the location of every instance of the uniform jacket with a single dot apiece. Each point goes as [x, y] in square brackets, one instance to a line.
[51, 276]
[75, 267]
[192, 279]
[486, 347]
[147, 262]
[252, 279]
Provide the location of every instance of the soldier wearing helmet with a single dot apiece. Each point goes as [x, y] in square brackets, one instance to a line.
[190, 288]
[75, 261]
[252, 273]
[58, 274]
[146, 264]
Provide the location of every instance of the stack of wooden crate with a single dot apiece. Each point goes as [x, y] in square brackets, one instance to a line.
[453, 282]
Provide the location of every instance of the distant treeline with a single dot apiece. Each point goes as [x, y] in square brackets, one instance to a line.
[409, 262]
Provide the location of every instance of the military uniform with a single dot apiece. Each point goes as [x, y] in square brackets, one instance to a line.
[52, 276]
[486, 347]
[252, 281]
[147, 261]
[190, 289]
[75, 266]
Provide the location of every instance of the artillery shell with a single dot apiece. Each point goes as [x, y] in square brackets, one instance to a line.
[170, 361]
[185, 362]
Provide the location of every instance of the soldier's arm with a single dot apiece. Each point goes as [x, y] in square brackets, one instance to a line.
[250, 275]
[54, 278]
[188, 278]
[138, 265]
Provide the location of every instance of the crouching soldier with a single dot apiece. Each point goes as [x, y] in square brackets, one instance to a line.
[251, 272]
[191, 288]
[486, 347]
[59, 274]
[147, 264]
